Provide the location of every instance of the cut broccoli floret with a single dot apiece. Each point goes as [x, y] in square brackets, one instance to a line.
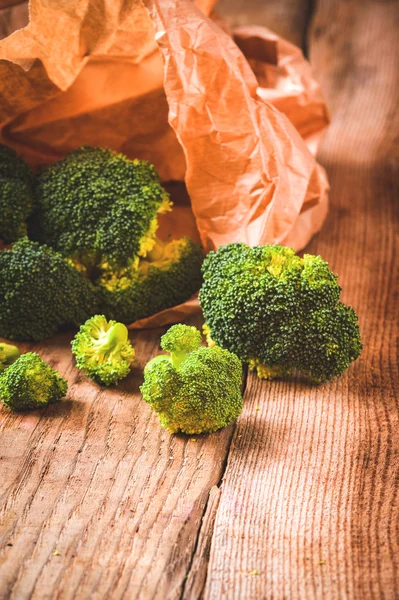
[278, 312]
[16, 195]
[195, 389]
[168, 276]
[31, 383]
[40, 292]
[99, 208]
[8, 355]
[103, 351]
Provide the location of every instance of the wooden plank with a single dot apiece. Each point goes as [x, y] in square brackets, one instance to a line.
[287, 18]
[13, 15]
[309, 502]
[98, 500]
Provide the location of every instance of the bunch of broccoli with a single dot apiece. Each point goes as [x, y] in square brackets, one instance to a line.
[92, 249]
[193, 389]
[92, 244]
[278, 312]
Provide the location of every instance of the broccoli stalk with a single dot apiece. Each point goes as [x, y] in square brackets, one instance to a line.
[193, 389]
[180, 341]
[278, 312]
[103, 351]
[31, 383]
[8, 355]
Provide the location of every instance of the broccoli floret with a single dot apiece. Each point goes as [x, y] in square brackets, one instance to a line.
[40, 292]
[8, 355]
[100, 211]
[102, 350]
[31, 383]
[278, 312]
[98, 208]
[169, 275]
[195, 389]
[16, 195]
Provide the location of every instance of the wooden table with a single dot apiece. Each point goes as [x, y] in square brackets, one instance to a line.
[300, 498]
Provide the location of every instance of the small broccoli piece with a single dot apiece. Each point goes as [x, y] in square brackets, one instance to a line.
[31, 383]
[98, 208]
[278, 312]
[103, 351]
[195, 389]
[16, 195]
[8, 355]
[40, 292]
[169, 275]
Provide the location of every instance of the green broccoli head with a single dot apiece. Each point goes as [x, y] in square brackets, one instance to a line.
[16, 195]
[103, 351]
[179, 341]
[169, 275]
[8, 355]
[98, 208]
[40, 292]
[31, 383]
[278, 312]
[195, 389]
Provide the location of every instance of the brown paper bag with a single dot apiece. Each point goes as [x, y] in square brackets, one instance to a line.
[90, 72]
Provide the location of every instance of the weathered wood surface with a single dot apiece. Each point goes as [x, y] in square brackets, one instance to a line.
[98, 502]
[96, 480]
[310, 495]
[287, 18]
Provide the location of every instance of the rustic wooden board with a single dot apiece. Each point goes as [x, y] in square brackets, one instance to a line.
[97, 480]
[97, 501]
[288, 18]
[309, 501]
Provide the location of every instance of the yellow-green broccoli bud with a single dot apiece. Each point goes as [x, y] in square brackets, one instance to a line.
[31, 383]
[195, 389]
[8, 355]
[103, 351]
[179, 340]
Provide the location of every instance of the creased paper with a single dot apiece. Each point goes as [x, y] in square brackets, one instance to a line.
[238, 118]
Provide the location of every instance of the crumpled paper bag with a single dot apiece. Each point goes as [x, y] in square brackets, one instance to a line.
[160, 80]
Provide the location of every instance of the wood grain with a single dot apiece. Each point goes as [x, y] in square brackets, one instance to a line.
[309, 502]
[97, 501]
[97, 480]
[287, 18]
[12, 17]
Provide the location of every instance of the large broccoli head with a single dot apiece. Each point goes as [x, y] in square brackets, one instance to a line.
[99, 208]
[169, 275]
[103, 351]
[40, 292]
[16, 195]
[194, 389]
[31, 383]
[278, 312]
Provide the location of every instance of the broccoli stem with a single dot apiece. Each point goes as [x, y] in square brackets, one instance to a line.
[8, 355]
[177, 358]
[115, 337]
[156, 253]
